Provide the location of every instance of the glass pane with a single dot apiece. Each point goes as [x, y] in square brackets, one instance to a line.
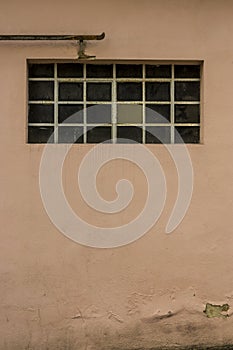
[187, 114]
[70, 91]
[158, 91]
[70, 134]
[69, 70]
[157, 113]
[129, 113]
[73, 112]
[187, 91]
[129, 133]
[98, 134]
[158, 71]
[129, 91]
[41, 90]
[158, 134]
[187, 71]
[129, 71]
[41, 70]
[99, 91]
[189, 134]
[40, 113]
[99, 71]
[40, 134]
[99, 114]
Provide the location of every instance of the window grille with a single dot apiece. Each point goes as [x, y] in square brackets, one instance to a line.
[131, 102]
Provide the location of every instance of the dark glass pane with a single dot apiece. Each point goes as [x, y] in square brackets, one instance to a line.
[157, 113]
[189, 134]
[98, 134]
[40, 113]
[187, 71]
[129, 71]
[129, 113]
[41, 70]
[73, 112]
[40, 134]
[187, 114]
[99, 70]
[187, 91]
[69, 70]
[41, 90]
[99, 91]
[129, 133]
[158, 71]
[70, 91]
[158, 134]
[129, 91]
[99, 114]
[70, 134]
[158, 91]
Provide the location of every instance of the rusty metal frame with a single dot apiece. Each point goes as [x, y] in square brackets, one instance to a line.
[51, 37]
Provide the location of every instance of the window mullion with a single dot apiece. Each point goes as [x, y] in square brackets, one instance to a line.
[84, 104]
[56, 97]
[172, 87]
[143, 104]
[114, 106]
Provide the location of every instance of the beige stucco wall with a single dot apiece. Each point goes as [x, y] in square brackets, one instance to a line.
[57, 294]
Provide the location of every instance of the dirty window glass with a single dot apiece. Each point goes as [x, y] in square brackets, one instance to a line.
[158, 71]
[129, 71]
[70, 134]
[70, 91]
[69, 70]
[99, 91]
[40, 113]
[129, 91]
[98, 134]
[41, 70]
[158, 91]
[187, 71]
[40, 134]
[99, 71]
[129, 134]
[70, 113]
[158, 134]
[41, 91]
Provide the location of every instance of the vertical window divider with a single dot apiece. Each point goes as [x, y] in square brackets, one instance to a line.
[84, 103]
[143, 103]
[114, 106]
[55, 104]
[172, 112]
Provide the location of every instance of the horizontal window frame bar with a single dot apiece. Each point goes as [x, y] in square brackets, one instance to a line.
[117, 102]
[116, 124]
[120, 80]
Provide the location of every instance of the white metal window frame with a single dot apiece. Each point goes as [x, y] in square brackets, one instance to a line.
[114, 101]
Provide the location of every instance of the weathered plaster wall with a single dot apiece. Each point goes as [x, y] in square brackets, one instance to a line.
[56, 294]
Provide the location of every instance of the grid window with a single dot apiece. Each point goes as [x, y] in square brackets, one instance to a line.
[114, 103]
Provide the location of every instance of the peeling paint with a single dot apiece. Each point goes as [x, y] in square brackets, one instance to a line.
[154, 318]
[115, 317]
[216, 310]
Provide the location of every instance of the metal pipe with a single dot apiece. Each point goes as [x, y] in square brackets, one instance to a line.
[52, 37]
